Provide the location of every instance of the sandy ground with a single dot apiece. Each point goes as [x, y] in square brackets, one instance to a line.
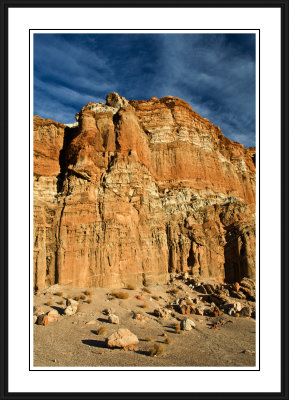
[70, 341]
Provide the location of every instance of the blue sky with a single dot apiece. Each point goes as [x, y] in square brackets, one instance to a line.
[214, 73]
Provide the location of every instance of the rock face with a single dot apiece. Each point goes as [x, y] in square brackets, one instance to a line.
[137, 190]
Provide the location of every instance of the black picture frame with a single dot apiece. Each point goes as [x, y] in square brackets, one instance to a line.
[283, 5]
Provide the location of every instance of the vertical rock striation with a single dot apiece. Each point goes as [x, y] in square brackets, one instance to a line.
[137, 190]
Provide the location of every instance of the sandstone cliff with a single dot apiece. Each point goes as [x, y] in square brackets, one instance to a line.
[137, 190]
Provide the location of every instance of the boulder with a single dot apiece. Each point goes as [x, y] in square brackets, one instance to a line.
[162, 313]
[187, 324]
[38, 311]
[108, 311]
[200, 310]
[209, 289]
[218, 299]
[231, 312]
[236, 286]
[71, 302]
[236, 306]
[247, 283]
[70, 310]
[123, 338]
[246, 312]
[42, 320]
[224, 292]
[245, 290]
[113, 319]
[215, 312]
[53, 315]
[238, 295]
[113, 99]
[187, 309]
[138, 317]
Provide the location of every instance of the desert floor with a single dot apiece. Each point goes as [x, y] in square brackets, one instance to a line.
[72, 341]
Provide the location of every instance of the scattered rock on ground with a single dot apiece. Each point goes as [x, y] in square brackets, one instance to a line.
[42, 320]
[236, 306]
[238, 295]
[218, 299]
[187, 324]
[209, 289]
[122, 339]
[113, 319]
[108, 311]
[215, 312]
[185, 276]
[162, 313]
[245, 312]
[200, 310]
[53, 315]
[70, 310]
[71, 302]
[248, 283]
[72, 306]
[138, 317]
[236, 286]
[187, 309]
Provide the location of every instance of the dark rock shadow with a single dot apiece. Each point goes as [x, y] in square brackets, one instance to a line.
[69, 135]
[103, 320]
[60, 310]
[94, 332]
[152, 314]
[204, 298]
[142, 352]
[170, 331]
[94, 343]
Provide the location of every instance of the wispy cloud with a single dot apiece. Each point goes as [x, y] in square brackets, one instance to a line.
[215, 73]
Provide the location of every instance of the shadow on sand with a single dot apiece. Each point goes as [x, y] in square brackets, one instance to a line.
[94, 343]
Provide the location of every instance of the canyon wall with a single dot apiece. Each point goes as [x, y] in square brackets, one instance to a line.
[136, 190]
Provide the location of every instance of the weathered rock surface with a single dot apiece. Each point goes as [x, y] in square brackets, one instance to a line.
[137, 190]
[215, 312]
[162, 313]
[246, 312]
[122, 338]
[42, 320]
[71, 308]
[139, 317]
[53, 316]
[113, 319]
[187, 324]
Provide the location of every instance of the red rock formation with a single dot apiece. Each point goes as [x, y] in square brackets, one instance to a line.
[138, 190]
